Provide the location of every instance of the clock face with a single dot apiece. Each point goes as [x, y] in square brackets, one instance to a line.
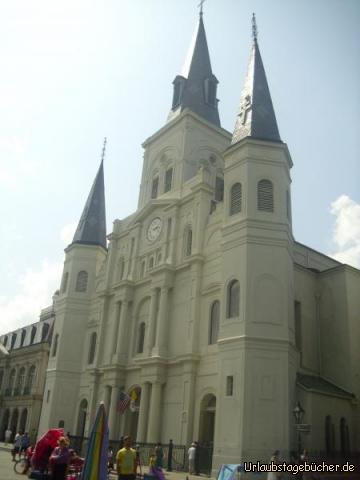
[154, 229]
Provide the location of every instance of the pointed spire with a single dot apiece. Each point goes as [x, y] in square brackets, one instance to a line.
[92, 225]
[195, 88]
[256, 116]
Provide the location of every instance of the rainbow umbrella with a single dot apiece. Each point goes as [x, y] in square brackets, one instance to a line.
[95, 466]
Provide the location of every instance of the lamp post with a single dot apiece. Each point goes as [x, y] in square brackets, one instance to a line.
[298, 413]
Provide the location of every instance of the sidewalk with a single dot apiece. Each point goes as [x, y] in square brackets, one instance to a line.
[168, 475]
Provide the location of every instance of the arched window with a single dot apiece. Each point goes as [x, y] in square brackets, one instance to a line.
[20, 382]
[30, 380]
[61, 424]
[151, 263]
[13, 340]
[81, 281]
[64, 282]
[210, 91]
[142, 270]
[44, 332]
[1, 378]
[214, 322]
[235, 199]
[5, 340]
[22, 338]
[121, 266]
[188, 241]
[344, 437]
[168, 180]
[233, 299]
[141, 338]
[179, 84]
[155, 187]
[329, 444]
[219, 189]
[32, 335]
[92, 348]
[11, 381]
[55, 345]
[265, 196]
[288, 205]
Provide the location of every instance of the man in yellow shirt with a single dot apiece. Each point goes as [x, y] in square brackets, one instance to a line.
[126, 461]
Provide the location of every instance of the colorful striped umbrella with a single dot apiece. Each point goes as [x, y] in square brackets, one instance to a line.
[95, 466]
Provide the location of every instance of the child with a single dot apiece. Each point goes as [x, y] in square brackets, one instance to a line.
[110, 457]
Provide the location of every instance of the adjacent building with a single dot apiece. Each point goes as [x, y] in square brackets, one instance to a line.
[22, 374]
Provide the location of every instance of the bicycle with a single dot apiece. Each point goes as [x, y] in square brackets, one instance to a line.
[21, 466]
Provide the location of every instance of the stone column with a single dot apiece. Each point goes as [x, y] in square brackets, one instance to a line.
[122, 337]
[162, 326]
[143, 413]
[154, 429]
[113, 413]
[152, 321]
[106, 398]
[115, 334]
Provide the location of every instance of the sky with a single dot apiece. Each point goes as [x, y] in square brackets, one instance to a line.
[75, 71]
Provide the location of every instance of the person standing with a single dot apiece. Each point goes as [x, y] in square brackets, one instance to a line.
[25, 442]
[126, 463]
[159, 455]
[17, 446]
[60, 459]
[191, 457]
[8, 434]
[274, 460]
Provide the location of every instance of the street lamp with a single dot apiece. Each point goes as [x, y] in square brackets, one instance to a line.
[298, 413]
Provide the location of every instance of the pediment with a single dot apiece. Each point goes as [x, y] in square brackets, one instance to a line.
[151, 207]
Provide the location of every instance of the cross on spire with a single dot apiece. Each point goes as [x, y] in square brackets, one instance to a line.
[254, 28]
[201, 6]
[103, 149]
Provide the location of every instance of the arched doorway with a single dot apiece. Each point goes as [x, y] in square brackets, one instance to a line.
[23, 419]
[80, 430]
[4, 423]
[14, 421]
[207, 420]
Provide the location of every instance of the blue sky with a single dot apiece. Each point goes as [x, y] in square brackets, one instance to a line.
[76, 71]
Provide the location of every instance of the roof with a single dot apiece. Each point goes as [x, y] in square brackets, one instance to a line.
[256, 116]
[91, 229]
[196, 71]
[320, 385]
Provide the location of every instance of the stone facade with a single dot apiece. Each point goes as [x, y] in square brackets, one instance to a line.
[204, 307]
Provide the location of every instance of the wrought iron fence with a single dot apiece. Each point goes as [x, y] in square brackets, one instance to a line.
[175, 456]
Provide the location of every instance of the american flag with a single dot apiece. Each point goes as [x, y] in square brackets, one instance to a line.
[123, 402]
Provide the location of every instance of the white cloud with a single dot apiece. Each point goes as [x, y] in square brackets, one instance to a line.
[35, 290]
[346, 234]
[67, 233]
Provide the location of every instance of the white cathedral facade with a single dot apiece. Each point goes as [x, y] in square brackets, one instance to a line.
[201, 302]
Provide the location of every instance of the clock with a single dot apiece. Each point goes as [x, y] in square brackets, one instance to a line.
[154, 229]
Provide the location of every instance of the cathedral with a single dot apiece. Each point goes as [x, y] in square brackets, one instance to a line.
[201, 306]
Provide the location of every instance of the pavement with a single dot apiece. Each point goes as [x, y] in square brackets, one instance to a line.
[7, 469]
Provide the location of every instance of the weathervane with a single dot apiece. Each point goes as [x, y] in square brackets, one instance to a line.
[103, 150]
[254, 28]
[201, 6]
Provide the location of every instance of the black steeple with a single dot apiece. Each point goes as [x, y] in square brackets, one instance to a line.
[196, 87]
[256, 116]
[92, 226]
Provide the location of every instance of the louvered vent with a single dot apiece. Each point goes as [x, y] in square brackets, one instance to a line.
[235, 198]
[265, 196]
